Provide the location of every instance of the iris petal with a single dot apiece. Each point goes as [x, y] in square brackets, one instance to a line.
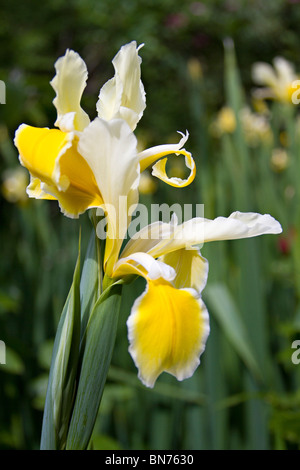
[69, 83]
[109, 147]
[167, 330]
[155, 154]
[57, 169]
[123, 96]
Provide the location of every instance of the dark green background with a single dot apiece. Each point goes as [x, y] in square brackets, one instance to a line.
[223, 406]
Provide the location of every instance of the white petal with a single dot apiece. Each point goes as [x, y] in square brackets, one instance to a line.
[285, 70]
[110, 150]
[147, 238]
[144, 265]
[123, 96]
[69, 83]
[198, 230]
[240, 225]
[263, 74]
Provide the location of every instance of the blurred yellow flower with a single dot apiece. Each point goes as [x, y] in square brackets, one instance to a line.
[279, 81]
[260, 106]
[279, 160]
[14, 185]
[225, 122]
[255, 126]
[283, 138]
[194, 69]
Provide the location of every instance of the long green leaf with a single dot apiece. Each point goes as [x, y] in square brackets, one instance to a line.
[89, 281]
[98, 348]
[223, 307]
[63, 369]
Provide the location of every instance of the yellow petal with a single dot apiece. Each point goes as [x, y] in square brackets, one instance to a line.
[191, 268]
[69, 83]
[152, 155]
[51, 157]
[39, 149]
[34, 189]
[167, 330]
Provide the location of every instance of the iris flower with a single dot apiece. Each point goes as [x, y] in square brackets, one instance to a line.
[280, 81]
[87, 165]
[56, 159]
[169, 324]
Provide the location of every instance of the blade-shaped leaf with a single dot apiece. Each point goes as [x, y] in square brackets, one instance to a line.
[63, 370]
[222, 306]
[98, 347]
[89, 282]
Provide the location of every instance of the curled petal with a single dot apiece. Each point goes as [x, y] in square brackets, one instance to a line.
[144, 265]
[167, 331]
[155, 154]
[69, 83]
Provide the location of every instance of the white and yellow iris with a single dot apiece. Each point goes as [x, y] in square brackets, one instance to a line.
[85, 164]
[279, 82]
[168, 325]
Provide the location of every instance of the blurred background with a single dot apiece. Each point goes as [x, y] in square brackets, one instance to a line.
[197, 70]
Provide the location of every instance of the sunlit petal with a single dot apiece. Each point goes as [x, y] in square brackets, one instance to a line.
[109, 147]
[51, 157]
[264, 74]
[39, 149]
[69, 83]
[155, 154]
[285, 70]
[196, 231]
[167, 331]
[123, 96]
[190, 267]
[238, 225]
[34, 189]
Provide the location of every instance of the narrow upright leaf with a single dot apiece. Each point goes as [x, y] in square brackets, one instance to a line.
[98, 347]
[63, 369]
[223, 307]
